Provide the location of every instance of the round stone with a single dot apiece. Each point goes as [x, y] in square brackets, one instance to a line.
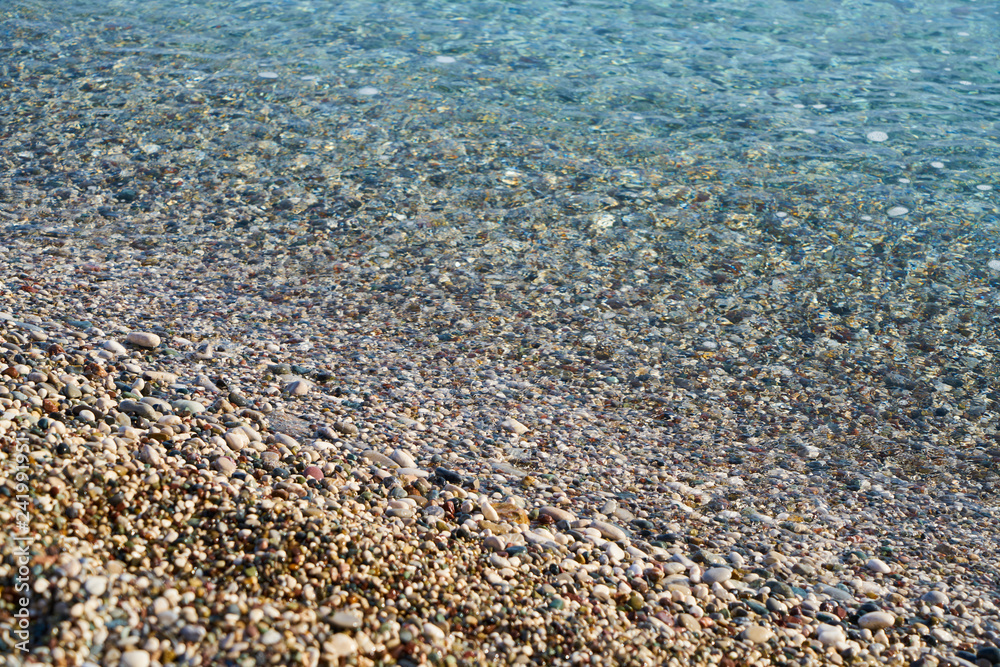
[876, 620]
[298, 387]
[433, 632]
[143, 339]
[716, 575]
[134, 659]
[757, 634]
[96, 585]
[877, 136]
[314, 472]
[270, 637]
[829, 635]
[225, 465]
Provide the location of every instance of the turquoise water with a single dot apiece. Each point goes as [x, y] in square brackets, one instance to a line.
[640, 115]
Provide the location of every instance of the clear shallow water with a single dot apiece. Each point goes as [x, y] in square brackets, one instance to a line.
[609, 115]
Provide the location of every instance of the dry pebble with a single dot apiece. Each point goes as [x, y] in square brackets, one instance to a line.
[143, 339]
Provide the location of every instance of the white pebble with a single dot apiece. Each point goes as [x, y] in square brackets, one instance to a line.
[114, 346]
[340, 646]
[96, 585]
[876, 565]
[511, 425]
[877, 136]
[433, 632]
[134, 659]
[143, 339]
[876, 620]
[298, 387]
[897, 211]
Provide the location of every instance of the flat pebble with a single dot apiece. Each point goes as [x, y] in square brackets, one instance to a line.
[513, 426]
[557, 513]
[609, 531]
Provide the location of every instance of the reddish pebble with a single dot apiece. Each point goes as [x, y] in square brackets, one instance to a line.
[314, 472]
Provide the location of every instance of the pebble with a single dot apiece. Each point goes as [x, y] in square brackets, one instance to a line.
[189, 407]
[513, 426]
[557, 513]
[96, 585]
[114, 346]
[935, 598]
[225, 465]
[339, 646]
[876, 565]
[609, 531]
[270, 638]
[830, 635]
[402, 459]
[757, 634]
[135, 658]
[347, 620]
[298, 387]
[143, 339]
[876, 620]
[716, 575]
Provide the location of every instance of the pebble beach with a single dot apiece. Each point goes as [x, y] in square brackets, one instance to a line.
[498, 334]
